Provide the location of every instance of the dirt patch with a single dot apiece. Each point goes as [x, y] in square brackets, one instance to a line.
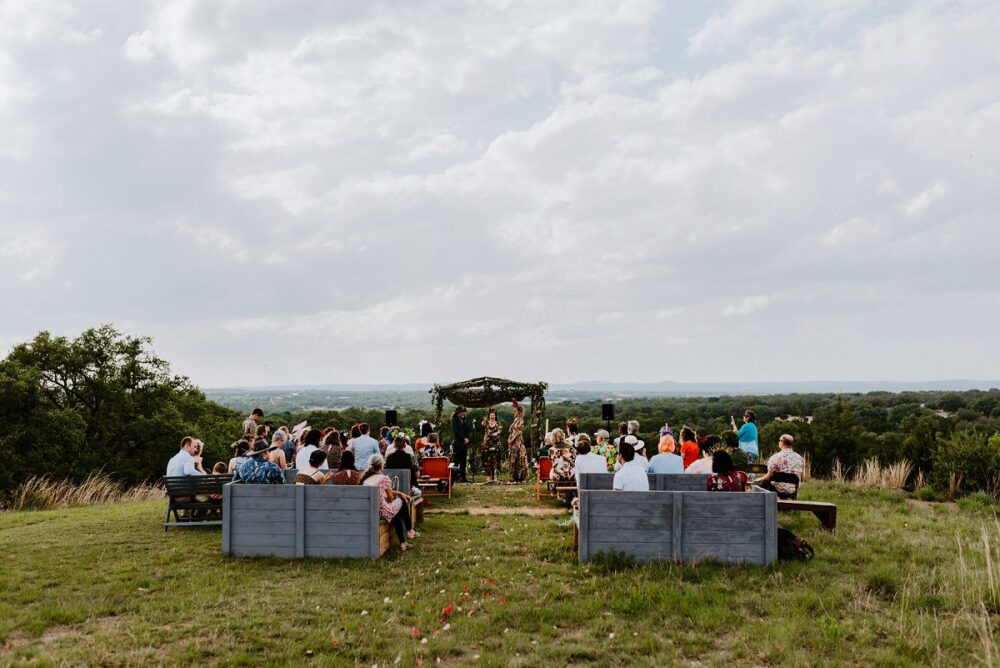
[498, 510]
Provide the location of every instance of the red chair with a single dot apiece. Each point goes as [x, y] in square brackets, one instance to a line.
[432, 471]
[544, 469]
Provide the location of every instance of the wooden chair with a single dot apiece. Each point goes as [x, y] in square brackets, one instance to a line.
[183, 494]
[432, 471]
[544, 469]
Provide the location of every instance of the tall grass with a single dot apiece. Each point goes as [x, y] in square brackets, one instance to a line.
[977, 581]
[871, 473]
[41, 493]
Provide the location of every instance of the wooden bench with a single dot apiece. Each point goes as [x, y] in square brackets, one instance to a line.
[183, 493]
[740, 527]
[416, 508]
[662, 482]
[295, 521]
[826, 513]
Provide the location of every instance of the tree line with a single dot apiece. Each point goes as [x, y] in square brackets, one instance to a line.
[104, 401]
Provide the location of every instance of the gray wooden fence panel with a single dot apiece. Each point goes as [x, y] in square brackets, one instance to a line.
[405, 484]
[664, 482]
[680, 525]
[227, 509]
[301, 521]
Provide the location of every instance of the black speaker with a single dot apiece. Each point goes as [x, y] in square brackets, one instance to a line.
[391, 417]
[607, 411]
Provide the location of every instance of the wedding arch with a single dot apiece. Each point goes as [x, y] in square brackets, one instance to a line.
[486, 391]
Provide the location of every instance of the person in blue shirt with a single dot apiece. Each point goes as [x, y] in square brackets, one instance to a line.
[748, 435]
[666, 462]
[364, 446]
[184, 462]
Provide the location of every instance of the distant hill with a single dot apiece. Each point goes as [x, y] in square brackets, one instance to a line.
[415, 395]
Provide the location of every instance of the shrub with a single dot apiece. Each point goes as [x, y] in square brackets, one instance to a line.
[928, 494]
[970, 460]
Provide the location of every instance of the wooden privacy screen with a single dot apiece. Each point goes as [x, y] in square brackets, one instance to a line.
[680, 526]
[291, 521]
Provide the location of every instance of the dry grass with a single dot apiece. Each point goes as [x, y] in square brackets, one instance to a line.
[41, 493]
[977, 582]
[838, 474]
[873, 474]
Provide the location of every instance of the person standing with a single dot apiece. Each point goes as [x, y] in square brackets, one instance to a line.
[364, 446]
[460, 444]
[748, 435]
[250, 424]
[492, 428]
[515, 445]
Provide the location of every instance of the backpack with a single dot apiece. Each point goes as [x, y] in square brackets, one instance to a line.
[793, 548]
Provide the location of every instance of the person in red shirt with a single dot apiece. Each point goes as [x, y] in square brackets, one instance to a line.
[689, 446]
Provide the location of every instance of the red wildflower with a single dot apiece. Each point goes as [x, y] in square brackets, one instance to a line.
[415, 633]
[447, 610]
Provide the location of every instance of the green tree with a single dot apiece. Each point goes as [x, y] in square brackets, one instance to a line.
[101, 401]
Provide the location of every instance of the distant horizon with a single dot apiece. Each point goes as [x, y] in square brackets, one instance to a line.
[946, 384]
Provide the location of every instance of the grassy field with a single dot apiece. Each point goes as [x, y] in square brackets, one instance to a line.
[900, 583]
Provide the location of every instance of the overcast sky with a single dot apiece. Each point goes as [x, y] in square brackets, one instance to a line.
[323, 192]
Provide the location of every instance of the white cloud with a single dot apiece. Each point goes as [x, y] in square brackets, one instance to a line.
[417, 192]
[139, 47]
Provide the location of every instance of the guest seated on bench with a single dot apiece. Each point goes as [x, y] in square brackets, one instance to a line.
[185, 462]
[631, 477]
[240, 450]
[394, 507]
[258, 469]
[400, 458]
[708, 445]
[347, 475]
[563, 456]
[312, 474]
[432, 447]
[586, 461]
[785, 460]
[725, 477]
[666, 461]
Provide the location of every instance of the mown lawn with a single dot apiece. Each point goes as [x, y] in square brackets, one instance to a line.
[105, 585]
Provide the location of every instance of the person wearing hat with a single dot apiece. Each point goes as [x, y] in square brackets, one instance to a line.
[258, 469]
[637, 448]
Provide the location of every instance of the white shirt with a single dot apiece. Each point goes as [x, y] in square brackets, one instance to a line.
[182, 464]
[590, 463]
[703, 466]
[631, 478]
[638, 459]
[302, 458]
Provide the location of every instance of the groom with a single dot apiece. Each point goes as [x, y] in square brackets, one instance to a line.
[460, 432]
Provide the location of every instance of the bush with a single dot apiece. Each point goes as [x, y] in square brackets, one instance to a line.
[970, 458]
[928, 494]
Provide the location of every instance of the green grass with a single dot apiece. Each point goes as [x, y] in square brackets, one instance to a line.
[105, 585]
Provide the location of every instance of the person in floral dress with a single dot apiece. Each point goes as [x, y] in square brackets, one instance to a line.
[515, 446]
[491, 444]
[563, 456]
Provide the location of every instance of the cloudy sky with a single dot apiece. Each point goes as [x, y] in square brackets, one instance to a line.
[320, 192]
